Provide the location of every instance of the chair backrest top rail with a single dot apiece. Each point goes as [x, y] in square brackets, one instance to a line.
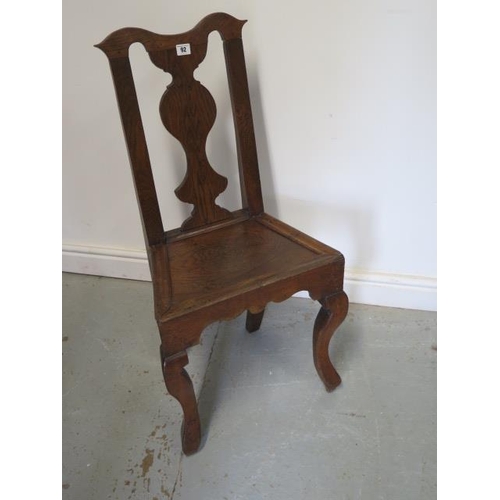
[117, 43]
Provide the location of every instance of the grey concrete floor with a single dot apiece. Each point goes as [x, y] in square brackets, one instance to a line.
[270, 430]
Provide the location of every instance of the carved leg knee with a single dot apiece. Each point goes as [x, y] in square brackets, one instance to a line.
[179, 386]
[332, 313]
[254, 320]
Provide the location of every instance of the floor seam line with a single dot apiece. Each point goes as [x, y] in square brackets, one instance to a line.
[177, 477]
[209, 360]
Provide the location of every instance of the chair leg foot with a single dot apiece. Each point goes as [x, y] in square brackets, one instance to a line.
[254, 320]
[180, 386]
[332, 313]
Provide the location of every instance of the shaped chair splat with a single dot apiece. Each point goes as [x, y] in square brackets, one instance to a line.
[218, 264]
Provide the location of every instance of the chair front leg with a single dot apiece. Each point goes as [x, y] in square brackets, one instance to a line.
[332, 313]
[180, 386]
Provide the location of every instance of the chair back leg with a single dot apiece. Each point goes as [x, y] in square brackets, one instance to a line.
[254, 320]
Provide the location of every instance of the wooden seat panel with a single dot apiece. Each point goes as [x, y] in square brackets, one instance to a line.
[233, 259]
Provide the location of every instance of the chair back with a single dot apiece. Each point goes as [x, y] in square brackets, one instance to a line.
[188, 112]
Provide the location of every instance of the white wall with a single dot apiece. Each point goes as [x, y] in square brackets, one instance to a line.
[344, 97]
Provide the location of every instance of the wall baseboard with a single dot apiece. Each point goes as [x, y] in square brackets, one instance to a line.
[111, 262]
[362, 287]
[390, 290]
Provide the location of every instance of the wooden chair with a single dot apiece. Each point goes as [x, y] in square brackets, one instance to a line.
[218, 264]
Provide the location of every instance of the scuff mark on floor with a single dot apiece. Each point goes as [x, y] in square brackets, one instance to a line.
[147, 461]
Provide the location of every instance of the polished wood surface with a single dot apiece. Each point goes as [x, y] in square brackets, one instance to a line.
[218, 264]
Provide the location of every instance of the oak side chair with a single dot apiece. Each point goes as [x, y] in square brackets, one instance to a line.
[218, 264]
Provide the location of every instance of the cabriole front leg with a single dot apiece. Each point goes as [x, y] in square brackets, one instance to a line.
[180, 386]
[332, 313]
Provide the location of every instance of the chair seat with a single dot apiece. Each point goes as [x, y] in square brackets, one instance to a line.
[239, 257]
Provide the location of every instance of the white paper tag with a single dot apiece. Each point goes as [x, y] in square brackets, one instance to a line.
[183, 49]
